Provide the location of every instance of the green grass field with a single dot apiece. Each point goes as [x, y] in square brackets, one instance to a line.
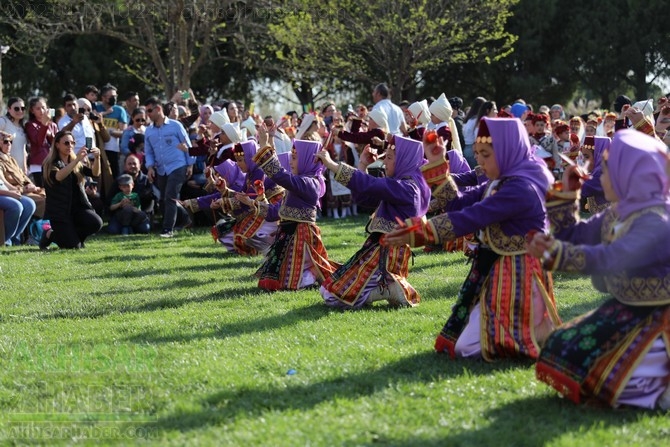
[140, 340]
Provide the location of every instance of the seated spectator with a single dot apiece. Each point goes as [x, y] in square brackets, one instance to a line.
[141, 186]
[126, 207]
[15, 176]
[17, 210]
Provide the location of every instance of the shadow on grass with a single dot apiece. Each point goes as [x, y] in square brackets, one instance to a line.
[313, 312]
[154, 305]
[425, 367]
[510, 424]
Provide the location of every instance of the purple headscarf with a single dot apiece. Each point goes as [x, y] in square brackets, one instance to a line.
[206, 107]
[232, 174]
[600, 144]
[285, 160]
[250, 148]
[307, 162]
[408, 162]
[637, 165]
[513, 154]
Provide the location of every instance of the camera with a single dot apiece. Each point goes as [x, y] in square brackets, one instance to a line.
[94, 117]
[91, 183]
[81, 110]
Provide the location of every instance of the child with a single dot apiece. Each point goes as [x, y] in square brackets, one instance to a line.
[376, 272]
[297, 258]
[127, 208]
[592, 151]
[619, 353]
[506, 306]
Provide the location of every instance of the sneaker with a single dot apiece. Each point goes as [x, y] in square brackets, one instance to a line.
[166, 233]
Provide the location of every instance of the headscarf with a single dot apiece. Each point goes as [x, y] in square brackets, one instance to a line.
[285, 160]
[408, 162]
[206, 107]
[513, 154]
[232, 174]
[307, 162]
[254, 172]
[600, 144]
[637, 165]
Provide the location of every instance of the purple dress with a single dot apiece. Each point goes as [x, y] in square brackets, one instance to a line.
[378, 272]
[618, 353]
[297, 257]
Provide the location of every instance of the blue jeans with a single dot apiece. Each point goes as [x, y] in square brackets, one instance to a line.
[17, 215]
[170, 185]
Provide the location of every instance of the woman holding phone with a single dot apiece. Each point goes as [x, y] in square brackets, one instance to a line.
[40, 131]
[70, 212]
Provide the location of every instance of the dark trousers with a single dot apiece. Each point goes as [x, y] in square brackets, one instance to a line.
[170, 186]
[73, 232]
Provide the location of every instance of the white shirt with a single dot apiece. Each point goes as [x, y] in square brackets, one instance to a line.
[469, 134]
[80, 131]
[394, 115]
[19, 140]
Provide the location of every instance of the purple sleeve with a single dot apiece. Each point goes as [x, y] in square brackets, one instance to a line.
[592, 187]
[645, 245]
[586, 232]
[457, 163]
[464, 179]
[365, 187]
[205, 202]
[515, 205]
[304, 187]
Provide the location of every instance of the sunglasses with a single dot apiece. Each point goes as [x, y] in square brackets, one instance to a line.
[7, 141]
[149, 110]
[19, 109]
[140, 120]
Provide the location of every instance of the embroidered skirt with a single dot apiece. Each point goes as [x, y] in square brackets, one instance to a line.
[297, 247]
[517, 306]
[386, 266]
[595, 355]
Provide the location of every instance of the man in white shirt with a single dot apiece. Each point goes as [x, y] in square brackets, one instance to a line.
[394, 114]
[76, 122]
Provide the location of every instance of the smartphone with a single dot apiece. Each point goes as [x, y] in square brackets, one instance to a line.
[81, 110]
[185, 95]
[52, 113]
[89, 143]
[252, 106]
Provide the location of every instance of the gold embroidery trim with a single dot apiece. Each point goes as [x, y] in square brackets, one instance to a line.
[503, 244]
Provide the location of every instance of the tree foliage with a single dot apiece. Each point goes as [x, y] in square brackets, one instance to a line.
[172, 39]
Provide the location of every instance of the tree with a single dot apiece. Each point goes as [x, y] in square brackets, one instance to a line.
[172, 40]
[393, 41]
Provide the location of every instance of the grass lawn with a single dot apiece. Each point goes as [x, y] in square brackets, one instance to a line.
[141, 340]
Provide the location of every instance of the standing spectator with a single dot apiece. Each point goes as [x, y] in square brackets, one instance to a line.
[138, 121]
[115, 120]
[131, 101]
[556, 113]
[40, 131]
[470, 123]
[168, 163]
[458, 116]
[76, 121]
[70, 213]
[394, 114]
[13, 124]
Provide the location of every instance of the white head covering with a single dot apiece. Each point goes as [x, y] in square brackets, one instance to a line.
[420, 111]
[84, 103]
[231, 132]
[441, 108]
[647, 108]
[379, 117]
[250, 126]
[220, 118]
[307, 120]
